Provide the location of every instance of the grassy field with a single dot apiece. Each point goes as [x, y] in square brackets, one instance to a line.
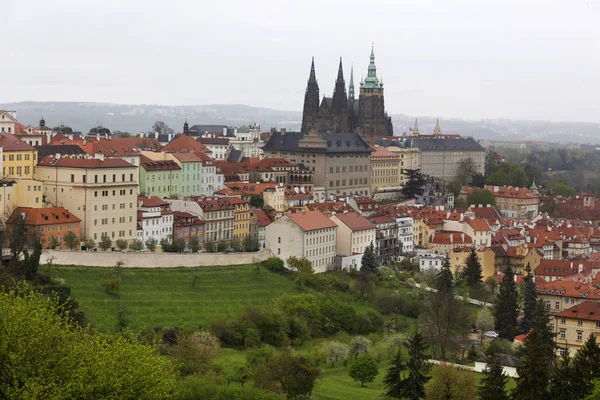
[165, 297]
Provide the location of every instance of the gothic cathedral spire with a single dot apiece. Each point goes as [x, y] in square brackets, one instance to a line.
[340, 100]
[311, 100]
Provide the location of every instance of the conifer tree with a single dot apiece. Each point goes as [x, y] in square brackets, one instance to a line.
[416, 369]
[445, 278]
[369, 261]
[562, 384]
[538, 358]
[473, 271]
[529, 299]
[493, 384]
[507, 307]
[586, 366]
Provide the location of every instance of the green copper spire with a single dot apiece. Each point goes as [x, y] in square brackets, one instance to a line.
[371, 81]
[351, 86]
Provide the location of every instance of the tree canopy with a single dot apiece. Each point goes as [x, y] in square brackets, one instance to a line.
[481, 196]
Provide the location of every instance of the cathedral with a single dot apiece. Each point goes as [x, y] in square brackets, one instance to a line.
[342, 112]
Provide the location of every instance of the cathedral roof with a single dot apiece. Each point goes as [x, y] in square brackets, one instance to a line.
[445, 144]
[350, 142]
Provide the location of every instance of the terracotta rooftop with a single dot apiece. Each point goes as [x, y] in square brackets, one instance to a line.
[586, 310]
[355, 221]
[479, 225]
[381, 152]
[312, 220]
[449, 237]
[185, 143]
[65, 162]
[10, 142]
[160, 165]
[152, 201]
[43, 216]
[562, 268]
[262, 218]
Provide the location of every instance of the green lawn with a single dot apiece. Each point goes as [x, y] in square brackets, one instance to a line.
[164, 297]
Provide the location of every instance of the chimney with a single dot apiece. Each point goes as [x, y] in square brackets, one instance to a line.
[451, 238]
[580, 269]
[283, 130]
[99, 156]
[462, 236]
[496, 189]
[488, 205]
[57, 156]
[462, 217]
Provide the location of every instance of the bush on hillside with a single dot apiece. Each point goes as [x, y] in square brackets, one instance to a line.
[274, 264]
[397, 303]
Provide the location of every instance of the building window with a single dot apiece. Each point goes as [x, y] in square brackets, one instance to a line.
[563, 334]
[579, 336]
[557, 305]
[579, 322]
[72, 178]
[563, 321]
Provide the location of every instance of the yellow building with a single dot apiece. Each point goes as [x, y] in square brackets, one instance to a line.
[574, 326]
[458, 260]
[241, 218]
[18, 158]
[20, 193]
[385, 170]
[102, 193]
[410, 158]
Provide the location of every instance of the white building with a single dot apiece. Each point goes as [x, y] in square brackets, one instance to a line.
[405, 233]
[212, 178]
[431, 261]
[155, 219]
[219, 147]
[309, 234]
[247, 140]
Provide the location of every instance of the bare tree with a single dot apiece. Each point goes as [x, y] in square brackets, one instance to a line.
[466, 170]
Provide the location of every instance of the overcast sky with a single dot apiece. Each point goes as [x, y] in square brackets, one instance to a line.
[469, 59]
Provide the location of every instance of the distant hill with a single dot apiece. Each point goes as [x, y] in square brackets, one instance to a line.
[137, 118]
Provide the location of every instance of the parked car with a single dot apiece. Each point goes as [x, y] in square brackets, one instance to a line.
[491, 335]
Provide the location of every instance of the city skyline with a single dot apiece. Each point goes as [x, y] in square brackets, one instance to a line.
[437, 59]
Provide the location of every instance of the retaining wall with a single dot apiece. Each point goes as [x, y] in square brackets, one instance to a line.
[150, 260]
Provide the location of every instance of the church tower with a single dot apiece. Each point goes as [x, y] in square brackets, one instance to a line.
[311, 100]
[373, 119]
[339, 103]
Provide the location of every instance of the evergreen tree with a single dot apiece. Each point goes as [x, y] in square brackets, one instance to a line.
[369, 261]
[415, 182]
[393, 382]
[507, 308]
[445, 279]
[473, 271]
[586, 366]
[538, 358]
[493, 384]
[562, 384]
[418, 368]
[529, 299]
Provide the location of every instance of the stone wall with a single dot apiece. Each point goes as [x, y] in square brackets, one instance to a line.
[150, 260]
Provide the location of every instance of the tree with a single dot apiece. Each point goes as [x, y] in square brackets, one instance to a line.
[295, 374]
[493, 162]
[151, 244]
[369, 261]
[445, 279]
[90, 244]
[257, 201]
[335, 351]
[506, 310]
[454, 187]
[449, 382]
[415, 181]
[498, 178]
[237, 371]
[493, 384]
[466, 170]
[478, 180]
[194, 352]
[529, 299]
[194, 244]
[399, 384]
[481, 196]
[473, 271]
[250, 243]
[71, 240]
[105, 242]
[53, 242]
[19, 235]
[363, 369]
[45, 355]
[122, 244]
[360, 345]
[485, 321]
[162, 128]
[302, 269]
[209, 246]
[586, 367]
[538, 356]
[136, 245]
[562, 189]
[564, 382]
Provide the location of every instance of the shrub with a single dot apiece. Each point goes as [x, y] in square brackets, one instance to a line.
[274, 264]
[194, 352]
[112, 286]
[363, 369]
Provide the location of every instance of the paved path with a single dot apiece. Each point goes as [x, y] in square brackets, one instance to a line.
[472, 301]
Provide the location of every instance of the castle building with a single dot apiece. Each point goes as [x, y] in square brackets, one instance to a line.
[342, 113]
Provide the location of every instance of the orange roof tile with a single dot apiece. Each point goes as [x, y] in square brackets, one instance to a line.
[479, 225]
[312, 220]
[43, 216]
[355, 221]
[586, 310]
[65, 162]
[10, 142]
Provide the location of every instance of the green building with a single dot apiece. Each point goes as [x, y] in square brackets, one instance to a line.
[191, 173]
[161, 178]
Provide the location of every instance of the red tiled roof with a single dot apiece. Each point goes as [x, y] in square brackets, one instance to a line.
[10, 142]
[262, 218]
[562, 268]
[187, 157]
[185, 143]
[381, 151]
[152, 201]
[65, 162]
[448, 237]
[355, 221]
[586, 310]
[479, 225]
[43, 216]
[160, 165]
[381, 219]
[216, 141]
[312, 220]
